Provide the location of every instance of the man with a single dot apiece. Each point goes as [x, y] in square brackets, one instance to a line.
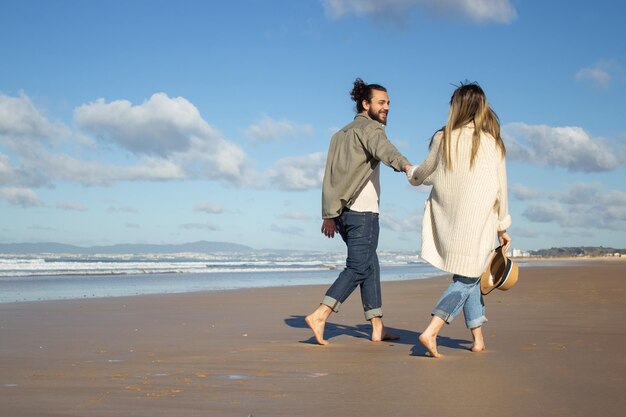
[350, 206]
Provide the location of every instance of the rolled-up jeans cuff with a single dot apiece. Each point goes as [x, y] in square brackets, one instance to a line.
[443, 316]
[375, 312]
[476, 322]
[332, 303]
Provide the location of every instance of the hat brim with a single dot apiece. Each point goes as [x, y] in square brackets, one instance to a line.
[501, 273]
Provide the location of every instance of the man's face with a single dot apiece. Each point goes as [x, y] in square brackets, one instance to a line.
[378, 107]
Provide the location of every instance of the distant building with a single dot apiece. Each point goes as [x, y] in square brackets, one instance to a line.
[518, 253]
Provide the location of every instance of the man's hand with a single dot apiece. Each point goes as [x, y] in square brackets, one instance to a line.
[329, 228]
[505, 240]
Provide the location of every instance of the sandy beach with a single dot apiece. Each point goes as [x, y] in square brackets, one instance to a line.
[555, 347]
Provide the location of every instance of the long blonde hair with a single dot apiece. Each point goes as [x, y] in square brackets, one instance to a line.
[469, 104]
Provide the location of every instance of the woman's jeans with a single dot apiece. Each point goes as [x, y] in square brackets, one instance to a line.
[462, 293]
[359, 231]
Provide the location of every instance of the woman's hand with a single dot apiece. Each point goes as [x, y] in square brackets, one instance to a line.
[410, 169]
[505, 240]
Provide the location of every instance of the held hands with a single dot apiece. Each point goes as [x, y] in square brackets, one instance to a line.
[505, 240]
[410, 169]
[329, 228]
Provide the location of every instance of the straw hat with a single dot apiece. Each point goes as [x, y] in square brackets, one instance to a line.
[501, 273]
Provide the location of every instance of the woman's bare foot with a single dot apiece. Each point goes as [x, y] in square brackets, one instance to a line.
[428, 338]
[317, 321]
[380, 333]
[430, 343]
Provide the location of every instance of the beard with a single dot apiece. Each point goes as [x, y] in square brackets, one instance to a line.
[379, 116]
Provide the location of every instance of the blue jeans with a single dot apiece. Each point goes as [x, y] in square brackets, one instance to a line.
[359, 230]
[462, 293]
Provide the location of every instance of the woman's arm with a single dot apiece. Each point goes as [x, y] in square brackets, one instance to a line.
[418, 173]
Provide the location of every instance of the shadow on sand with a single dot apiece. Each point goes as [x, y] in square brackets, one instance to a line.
[363, 331]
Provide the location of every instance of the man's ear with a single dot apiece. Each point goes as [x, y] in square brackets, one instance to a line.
[365, 104]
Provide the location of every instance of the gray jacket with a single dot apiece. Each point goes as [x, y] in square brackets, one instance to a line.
[354, 153]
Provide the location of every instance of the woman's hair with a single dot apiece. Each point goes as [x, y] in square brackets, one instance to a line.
[362, 91]
[469, 104]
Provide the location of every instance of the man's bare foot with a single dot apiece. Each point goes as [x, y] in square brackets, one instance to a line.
[479, 341]
[430, 343]
[385, 335]
[317, 321]
[380, 333]
[477, 348]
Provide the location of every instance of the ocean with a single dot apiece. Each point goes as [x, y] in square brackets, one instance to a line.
[36, 277]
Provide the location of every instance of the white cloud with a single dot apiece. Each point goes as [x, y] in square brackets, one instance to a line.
[523, 192]
[72, 205]
[296, 215]
[147, 169]
[166, 136]
[567, 147]
[42, 167]
[298, 173]
[173, 139]
[159, 126]
[584, 206]
[29, 135]
[200, 226]
[602, 74]
[545, 213]
[524, 232]
[287, 230]
[270, 129]
[581, 193]
[412, 223]
[216, 158]
[569, 234]
[209, 208]
[20, 119]
[122, 209]
[20, 196]
[598, 77]
[6, 170]
[500, 11]
[590, 205]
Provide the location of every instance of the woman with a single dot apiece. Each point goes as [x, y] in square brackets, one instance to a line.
[467, 207]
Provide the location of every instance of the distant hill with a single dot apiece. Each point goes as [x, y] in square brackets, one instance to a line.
[202, 246]
[576, 251]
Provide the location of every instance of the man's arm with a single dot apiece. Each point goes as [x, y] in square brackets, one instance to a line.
[380, 147]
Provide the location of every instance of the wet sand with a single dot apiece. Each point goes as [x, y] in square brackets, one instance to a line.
[555, 347]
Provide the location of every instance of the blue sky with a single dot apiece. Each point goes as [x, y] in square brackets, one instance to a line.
[170, 122]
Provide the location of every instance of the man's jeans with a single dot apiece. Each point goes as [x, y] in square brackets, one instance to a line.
[462, 293]
[360, 232]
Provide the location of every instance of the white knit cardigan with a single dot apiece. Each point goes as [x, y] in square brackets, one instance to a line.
[466, 207]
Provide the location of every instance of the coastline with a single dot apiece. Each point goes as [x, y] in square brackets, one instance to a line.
[554, 348]
[91, 284]
[530, 259]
